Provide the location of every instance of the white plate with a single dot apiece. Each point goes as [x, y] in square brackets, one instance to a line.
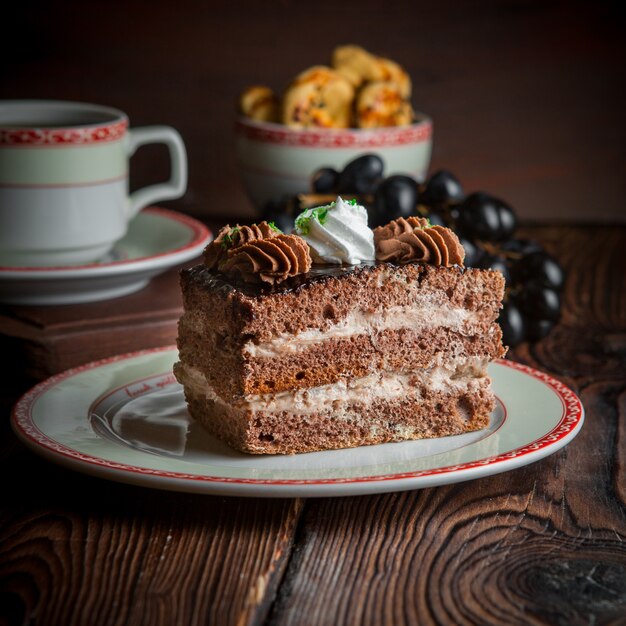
[157, 239]
[125, 419]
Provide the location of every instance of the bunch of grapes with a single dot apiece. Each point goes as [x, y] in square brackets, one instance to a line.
[485, 224]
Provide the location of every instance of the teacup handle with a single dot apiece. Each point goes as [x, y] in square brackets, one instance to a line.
[177, 184]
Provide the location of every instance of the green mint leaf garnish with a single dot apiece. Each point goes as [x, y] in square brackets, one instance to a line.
[303, 221]
[321, 214]
[352, 202]
[274, 227]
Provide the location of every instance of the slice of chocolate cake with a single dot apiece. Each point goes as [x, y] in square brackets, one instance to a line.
[336, 356]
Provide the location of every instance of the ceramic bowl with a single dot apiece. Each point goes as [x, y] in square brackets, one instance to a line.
[276, 161]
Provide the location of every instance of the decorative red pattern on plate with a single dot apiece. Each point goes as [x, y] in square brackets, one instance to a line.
[46, 137]
[22, 420]
[329, 138]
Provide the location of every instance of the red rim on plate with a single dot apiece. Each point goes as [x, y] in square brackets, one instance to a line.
[568, 424]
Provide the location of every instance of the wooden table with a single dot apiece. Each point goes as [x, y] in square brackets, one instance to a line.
[544, 544]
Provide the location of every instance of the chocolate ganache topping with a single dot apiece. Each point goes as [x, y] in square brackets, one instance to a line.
[413, 239]
[258, 253]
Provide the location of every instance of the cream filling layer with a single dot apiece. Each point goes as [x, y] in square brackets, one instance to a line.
[360, 322]
[467, 374]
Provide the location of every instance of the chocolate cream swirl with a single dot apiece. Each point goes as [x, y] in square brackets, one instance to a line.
[413, 239]
[258, 253]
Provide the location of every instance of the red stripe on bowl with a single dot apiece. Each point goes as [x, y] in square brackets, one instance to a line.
[335, 138]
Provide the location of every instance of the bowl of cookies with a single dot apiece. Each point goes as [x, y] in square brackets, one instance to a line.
[327, 116]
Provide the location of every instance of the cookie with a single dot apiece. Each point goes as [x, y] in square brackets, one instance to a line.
[392, 72]
[381, 104]
[260, 103]
[318, 97]
[356, 64]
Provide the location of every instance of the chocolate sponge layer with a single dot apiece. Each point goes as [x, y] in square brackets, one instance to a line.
[330, 360]
[417, 416]
[325, 298]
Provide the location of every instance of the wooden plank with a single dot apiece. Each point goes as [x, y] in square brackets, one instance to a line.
[50, 339]
[545, 544]
[76, 550]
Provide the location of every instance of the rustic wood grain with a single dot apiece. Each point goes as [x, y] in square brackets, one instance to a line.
[81, 551]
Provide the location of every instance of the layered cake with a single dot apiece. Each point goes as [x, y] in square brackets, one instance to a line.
[337, 336]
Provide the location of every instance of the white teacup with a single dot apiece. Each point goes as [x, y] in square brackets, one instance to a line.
[64, 196]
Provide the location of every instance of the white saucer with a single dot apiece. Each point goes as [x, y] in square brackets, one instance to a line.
[157, 239]
[125, 419]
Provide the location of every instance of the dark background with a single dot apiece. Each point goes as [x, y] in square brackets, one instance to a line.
[527, 98]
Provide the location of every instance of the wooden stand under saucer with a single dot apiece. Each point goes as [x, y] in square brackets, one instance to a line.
[44, 340]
